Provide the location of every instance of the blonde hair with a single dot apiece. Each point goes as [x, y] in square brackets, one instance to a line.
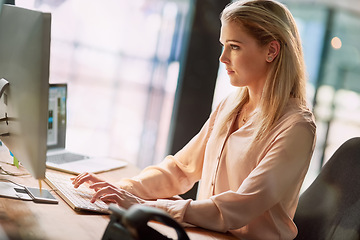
[266, 21]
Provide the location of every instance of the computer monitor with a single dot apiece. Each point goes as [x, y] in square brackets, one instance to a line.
[24, 65]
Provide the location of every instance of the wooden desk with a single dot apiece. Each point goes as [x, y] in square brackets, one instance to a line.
[29, 220]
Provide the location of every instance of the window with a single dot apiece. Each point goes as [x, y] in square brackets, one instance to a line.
[120, 60]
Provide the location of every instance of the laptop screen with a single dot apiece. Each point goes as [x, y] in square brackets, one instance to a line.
[56, 134]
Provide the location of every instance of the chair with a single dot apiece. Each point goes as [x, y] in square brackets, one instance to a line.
[330, 207]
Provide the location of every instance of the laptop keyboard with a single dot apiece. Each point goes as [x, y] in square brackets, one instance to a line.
[65, 158]
[77, 198]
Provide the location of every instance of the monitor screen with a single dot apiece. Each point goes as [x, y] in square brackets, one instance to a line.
[56, 137]
[24, 63]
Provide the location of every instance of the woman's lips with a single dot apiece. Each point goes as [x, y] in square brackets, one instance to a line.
[229, 71]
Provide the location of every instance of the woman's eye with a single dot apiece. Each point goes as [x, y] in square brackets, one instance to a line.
[234, 47]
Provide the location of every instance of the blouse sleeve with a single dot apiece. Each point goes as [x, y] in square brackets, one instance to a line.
[280, 171]
[175, 174]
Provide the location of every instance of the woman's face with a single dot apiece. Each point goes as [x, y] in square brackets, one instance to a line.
[245, 61]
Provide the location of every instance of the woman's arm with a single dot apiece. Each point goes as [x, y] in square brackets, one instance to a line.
[280, 171]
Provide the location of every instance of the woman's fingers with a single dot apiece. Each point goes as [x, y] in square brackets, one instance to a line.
[123, 201]
[103, 191]
[111, 198]
[84, 177]
[119, 196]
[99, 185]
[106, 191]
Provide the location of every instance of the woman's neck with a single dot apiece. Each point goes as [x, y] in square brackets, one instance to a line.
[255, 94]
[253, 103]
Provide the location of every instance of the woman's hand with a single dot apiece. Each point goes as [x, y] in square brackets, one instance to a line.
[106, 191]
[86, 177]
[111, 194]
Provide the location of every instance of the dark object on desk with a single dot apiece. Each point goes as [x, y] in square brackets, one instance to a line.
[330, 207]
[132, 224]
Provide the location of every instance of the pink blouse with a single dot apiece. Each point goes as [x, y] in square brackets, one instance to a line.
[251, 192]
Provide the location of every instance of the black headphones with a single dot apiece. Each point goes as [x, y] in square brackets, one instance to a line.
[132, 224]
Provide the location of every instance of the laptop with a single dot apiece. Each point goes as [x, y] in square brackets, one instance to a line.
[57, 156]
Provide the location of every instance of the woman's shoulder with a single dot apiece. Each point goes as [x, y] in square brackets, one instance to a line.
[298, 114]
[295, 119]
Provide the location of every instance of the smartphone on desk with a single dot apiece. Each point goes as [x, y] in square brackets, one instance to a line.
[43, 196]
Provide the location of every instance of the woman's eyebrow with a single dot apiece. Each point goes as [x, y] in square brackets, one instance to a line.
[237, 41]
[231, 40]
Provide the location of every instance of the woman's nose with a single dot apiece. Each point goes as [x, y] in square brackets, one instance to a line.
[223, 58]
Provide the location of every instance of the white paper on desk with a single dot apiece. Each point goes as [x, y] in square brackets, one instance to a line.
[11, 190]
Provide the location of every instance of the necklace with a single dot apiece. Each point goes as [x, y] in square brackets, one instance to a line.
[244, 118]
[243, 113]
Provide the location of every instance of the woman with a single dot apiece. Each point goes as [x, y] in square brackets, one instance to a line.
[252, 154]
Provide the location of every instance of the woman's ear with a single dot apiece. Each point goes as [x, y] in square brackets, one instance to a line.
[273, 50]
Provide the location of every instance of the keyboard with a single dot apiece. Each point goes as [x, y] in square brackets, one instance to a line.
[77, 198]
